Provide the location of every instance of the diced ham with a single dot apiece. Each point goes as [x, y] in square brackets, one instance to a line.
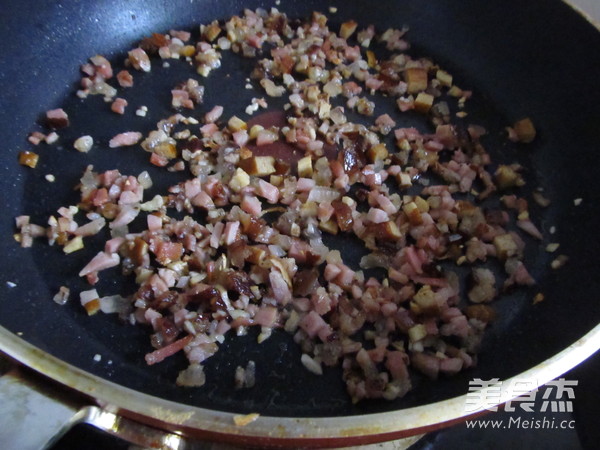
[125, 139]
[314, 325]
[139, 60]
[126, 215]
[231, 232]
[251, 205]
[376, 215]
[118, 105]
[57, 118]
[450, 366]
[100, 262]
[90, 228]
[427, 364]
[203, 200]
[113, 245]
[266, 316]
[154, 222]
[213, 115]
[268, 191]
[240, 137]
[281, 290]
[209, 129]
[125, 79]
[528, 226]
[162, 353]
[305, 184]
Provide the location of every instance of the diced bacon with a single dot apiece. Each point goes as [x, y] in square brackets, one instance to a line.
[125, 79]
[215, 237]
[433, 146]
[184, 36]
[168, 276]
[414, 260]
[151, 316]
[222, 328]
[113, 245]
[100, 197]
[180, 316]
[129, 197]
[346, 276]
[158, 160]
[231, 231]
[386, 204]
[139, 59]
[200, 353]
[57, 118]
[213, 115]
[255, 41]
[109, 177]
[126, 215]
[302, 304]
[405, 103]
[518, 274]
[90, 228]
[322, 302]
[192, 188]
[314, 325]
[427, 364]
[376, 215]
[209, 129]
[102, 67]
[265, 137]
[396, 364]
[203, 200]
[154, 222]
[36, 137]
[436, 282]
[331, 271]
[325, 210]
[240, 138]
[450, 366]
[350, 89]
[266, 316]
[251, 205]
[181, 99]
[157, 284]
[375, 84]
[118, 106]
[268, 191]
[162, 353]
[281, 290]
[167, 252]
[411, 134]
[305, 184]
[125, 139]
[385, 123]
[458, 326]
[528, 226]
[100, 262]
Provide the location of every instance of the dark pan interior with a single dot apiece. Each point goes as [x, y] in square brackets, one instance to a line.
[538, 59]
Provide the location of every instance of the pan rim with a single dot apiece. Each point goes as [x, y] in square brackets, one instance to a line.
[190, 420]
[177, 416]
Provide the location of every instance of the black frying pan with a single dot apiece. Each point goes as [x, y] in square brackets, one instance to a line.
[538, 59]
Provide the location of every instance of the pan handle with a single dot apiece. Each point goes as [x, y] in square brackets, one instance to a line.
[36, 413]
[30, 415]
[123, 428]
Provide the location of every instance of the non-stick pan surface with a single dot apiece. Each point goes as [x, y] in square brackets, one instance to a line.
[538, 59]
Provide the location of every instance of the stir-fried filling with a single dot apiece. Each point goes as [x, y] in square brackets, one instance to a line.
[263, 196]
